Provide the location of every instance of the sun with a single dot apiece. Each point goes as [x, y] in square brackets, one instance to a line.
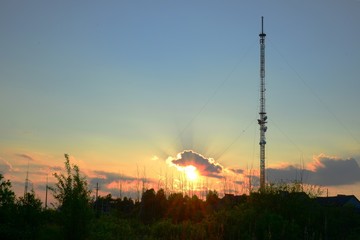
[191, 172]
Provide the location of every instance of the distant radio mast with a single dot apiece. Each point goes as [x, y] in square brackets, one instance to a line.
[262, 120]
[26, 182]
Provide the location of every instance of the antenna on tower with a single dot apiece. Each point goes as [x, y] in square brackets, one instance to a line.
[262, 120]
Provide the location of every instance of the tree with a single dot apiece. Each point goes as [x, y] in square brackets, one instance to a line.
[7, 196]
[7, 210]
[147, 210]
[160, 204]
[29, 215]
[175, 210]
[73, 195]
[212, 200]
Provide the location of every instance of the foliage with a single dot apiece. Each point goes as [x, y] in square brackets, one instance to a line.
[7, 196]
[283, 211]
[148, 212]
[19, 218]
[51, 225]
[7, 209]
[212, 200]
[108, 227]
[73, 195]
[312, 191]
[29, 215]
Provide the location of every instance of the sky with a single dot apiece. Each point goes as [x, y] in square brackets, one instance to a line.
[137, 91]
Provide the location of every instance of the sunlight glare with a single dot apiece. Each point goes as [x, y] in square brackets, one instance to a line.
[191, 172]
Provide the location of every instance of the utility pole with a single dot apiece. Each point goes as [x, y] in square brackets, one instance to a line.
[262, 120]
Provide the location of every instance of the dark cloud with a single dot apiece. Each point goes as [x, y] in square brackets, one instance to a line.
[288, 174]
[205, 166]
[255, 180]
[237, 170]
[239, 182]
[325, 171]
[105, 178]
[55, 168]
[114, 176]
[335, 172]
[25, 156]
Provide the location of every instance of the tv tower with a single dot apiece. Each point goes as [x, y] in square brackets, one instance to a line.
[262, 120]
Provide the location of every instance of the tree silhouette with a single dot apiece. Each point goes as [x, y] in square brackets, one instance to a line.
[73, 195]
[147, 209]
[29, 215]
[212, 200]
[7, 196]
[7, 209]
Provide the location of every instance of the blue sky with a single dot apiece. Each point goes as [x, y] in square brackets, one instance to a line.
[118, 83]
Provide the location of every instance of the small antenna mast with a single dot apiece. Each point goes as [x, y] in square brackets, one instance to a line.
[46, 192]
[26, 182]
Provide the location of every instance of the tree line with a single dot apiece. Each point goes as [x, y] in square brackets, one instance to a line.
[283, 211]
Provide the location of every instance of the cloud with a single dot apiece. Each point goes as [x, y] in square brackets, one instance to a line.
[205, 166]
[55, 168]
[287, 174]
[237, 170]
[323, 171]
[253, 179]
[111, 176]
[154, 158]
[106, 179]
[27, 157]
[335, 172]
[239, 182]
[5, 166]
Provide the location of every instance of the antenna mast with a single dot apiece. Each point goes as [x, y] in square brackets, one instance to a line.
[262, 120]
[46, 192]
[26, 182]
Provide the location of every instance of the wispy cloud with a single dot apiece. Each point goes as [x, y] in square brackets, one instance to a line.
[5, 166]
[55, 168]
[205, 166]
[111, 176]
[154, 158]
[237, 170]
[25, 156]
[107, 180]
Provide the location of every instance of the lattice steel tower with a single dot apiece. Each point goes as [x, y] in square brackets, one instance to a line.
[262, 120]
